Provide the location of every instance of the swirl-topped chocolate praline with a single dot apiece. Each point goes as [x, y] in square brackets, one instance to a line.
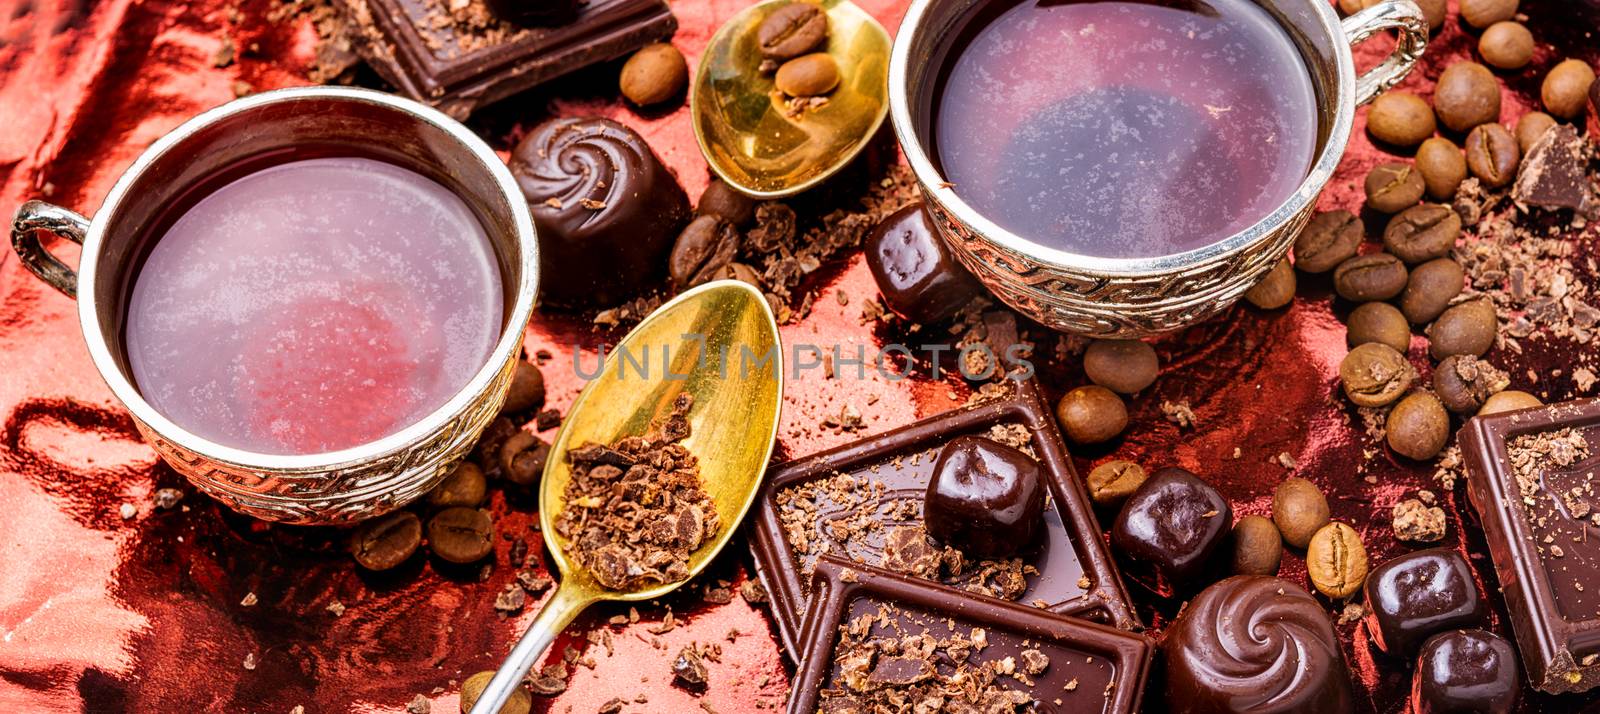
[1253, 643]
[605, 206]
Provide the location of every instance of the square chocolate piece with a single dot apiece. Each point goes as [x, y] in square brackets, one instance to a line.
[877, 640]
[863, 502]
[1534, 479]
[462, 59]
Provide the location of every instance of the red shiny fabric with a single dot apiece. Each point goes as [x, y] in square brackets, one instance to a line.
[102, 613]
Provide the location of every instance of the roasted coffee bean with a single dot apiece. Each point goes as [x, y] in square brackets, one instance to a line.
[654, 74]
[520, 702]
[1364, 278]
[1091, 414]
[1531, 127]
[1509, 400]
[1493, 155]
[1434, 11]
[1400, 118]
[461, 535]
[522, 458]
[1276, 289]
[810, 75]
[1483, 13]
[1112, 482]
[725, 202]
[1329, 238]
[1257, 546]
[386, 541]
[1466, 328]
[1422, 233]
[1336, 561]
[1443, 167]
[706, 246]
[1418, 426]
[526, 391]
[1430, 289]
[465, 486]
[1393, 187]
[1378, 322]
[1564, 88]
[1507, 45]
[1125, 366]
[1466, 95]
[1463, 383]
[792, 30]
[1299, 510]
[1375, 375]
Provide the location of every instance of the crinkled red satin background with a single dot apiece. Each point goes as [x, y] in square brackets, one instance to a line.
[145, 614]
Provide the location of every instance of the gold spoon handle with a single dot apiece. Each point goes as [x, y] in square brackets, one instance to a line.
[561, 610]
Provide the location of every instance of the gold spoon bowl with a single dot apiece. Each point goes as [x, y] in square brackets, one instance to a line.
[717, 342]
[746, 132]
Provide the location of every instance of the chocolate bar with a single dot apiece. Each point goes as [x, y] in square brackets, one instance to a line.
[1531, 477]
[875, 638]
[863, 501]
[459, 56]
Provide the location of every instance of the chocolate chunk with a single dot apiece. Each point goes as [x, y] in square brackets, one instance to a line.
[1530, 476]
[1255, 643]
[986, 498]
[462, 59]
[1466, 671]
[606, 208]
[1419, 594]
[907, 550]
[688, 670]
[1174, 523]
[878, 642]
[1552, 174]
[916, 273]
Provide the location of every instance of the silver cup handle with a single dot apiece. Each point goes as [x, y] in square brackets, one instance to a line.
[35, 216]
[1401, 15]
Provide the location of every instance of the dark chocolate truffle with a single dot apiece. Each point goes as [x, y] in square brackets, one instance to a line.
[606, 209]
[1418, 594]
[1174, 523]
[985, 499]
[1465, 671]
[1254, 643]
[919, 278]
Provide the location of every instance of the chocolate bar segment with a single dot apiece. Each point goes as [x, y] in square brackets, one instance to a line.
[863, 502]
[874, 638]
[1532, 477]
[461, 56]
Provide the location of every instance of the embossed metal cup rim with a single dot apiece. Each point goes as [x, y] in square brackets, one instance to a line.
[1157, 293]
[901, 110]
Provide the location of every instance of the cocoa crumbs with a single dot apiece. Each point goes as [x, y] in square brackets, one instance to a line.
[636, 509]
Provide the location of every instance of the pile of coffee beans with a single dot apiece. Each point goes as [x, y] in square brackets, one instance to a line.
[1414, 283]
[457, 529]
[790, 40]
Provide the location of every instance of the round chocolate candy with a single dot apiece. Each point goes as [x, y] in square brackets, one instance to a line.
[1254, 643]
[1174, 523]
[986, 499]
[1465, 671]
[919, 278]
[606, 208]
[1418, 594]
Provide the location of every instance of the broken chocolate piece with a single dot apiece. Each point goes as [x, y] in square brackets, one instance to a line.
[1552, 174]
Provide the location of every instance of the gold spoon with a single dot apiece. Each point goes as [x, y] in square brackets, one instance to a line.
[740, 120]
[724, 350]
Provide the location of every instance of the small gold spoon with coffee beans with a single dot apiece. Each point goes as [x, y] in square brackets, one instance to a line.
[771, 145]
[718, 344]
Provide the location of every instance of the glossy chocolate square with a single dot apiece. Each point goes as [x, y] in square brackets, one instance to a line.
[1076, 574]
[1086, 666]
[415, 45]
[1530, 475]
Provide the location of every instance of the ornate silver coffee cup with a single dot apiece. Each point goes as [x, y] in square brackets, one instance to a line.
[323, 488]
[1131, 297]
